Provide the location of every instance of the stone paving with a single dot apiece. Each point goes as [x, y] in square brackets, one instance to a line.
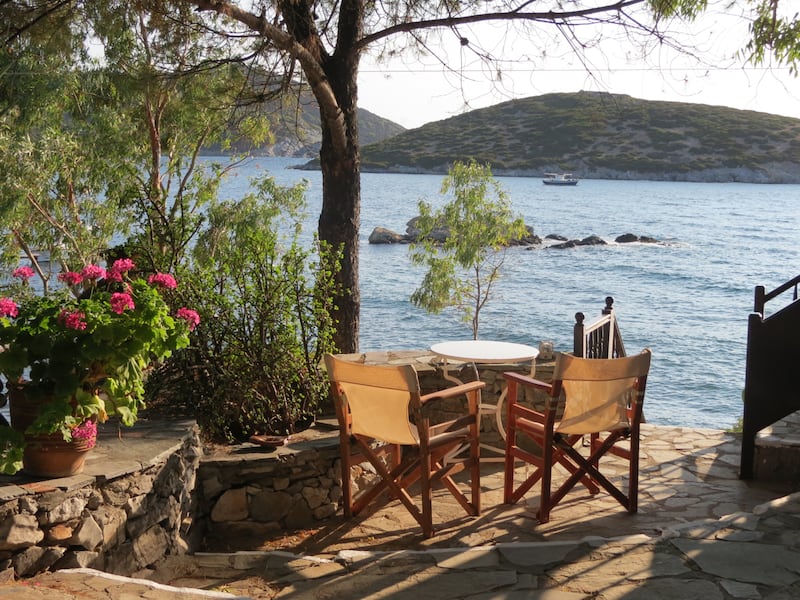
[700, 533]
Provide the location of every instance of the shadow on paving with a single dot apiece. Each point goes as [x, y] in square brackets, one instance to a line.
[685, 475]
[700, 533]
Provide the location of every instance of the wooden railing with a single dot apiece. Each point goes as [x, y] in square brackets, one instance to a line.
[601, 338]
[772, 370]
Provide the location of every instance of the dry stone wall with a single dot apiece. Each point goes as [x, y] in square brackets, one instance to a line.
[119, 524]
[252, 491]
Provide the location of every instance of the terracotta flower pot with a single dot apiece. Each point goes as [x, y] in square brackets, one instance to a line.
[45, 455]
[52, 456]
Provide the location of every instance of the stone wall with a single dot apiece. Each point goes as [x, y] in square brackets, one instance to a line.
[121, 515]
[248, 491]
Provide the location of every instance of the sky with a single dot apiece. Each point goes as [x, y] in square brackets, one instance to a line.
[412, 91]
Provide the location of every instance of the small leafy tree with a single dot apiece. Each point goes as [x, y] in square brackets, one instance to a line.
[64, 178]
[478, 227]
[265, 304]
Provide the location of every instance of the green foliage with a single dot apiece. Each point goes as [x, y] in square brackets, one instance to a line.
[93, 151]
[12, 443]
[255, 365]
[98, 154]
[478, 223]
[688, 9]
[92, 349]
[737, 427]
[774, 35]
[59, 173]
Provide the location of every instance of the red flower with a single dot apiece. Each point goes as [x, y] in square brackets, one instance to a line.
[8, 308]
[190, 316]
[23, 272]
[93, 272]
[164, 280]
[73, 319]
[86, 431]
[120, 302]
[70, 278]
[119, 268]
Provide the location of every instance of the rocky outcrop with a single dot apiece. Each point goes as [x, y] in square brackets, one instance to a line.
[438, 235]
[592, 240]
[627, 238]
[595, 240]
[381, 235]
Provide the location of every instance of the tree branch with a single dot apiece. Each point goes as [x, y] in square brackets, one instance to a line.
[512, 15]
[312, 68]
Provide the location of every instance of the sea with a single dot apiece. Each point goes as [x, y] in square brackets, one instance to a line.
[687, 297]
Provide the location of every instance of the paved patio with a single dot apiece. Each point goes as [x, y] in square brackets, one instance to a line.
[700, 532]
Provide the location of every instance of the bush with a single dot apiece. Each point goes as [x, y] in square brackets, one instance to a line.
[255, 364]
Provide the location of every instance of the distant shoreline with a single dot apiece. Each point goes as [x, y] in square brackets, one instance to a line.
[777, 175]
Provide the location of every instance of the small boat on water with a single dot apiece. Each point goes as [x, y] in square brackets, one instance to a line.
[559, 179]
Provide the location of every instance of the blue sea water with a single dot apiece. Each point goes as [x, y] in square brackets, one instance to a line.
[687, 298]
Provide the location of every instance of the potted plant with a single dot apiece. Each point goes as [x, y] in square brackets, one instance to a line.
[76, 356]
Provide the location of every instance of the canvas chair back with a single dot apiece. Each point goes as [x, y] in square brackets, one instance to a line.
[377, 398]
[598, 391]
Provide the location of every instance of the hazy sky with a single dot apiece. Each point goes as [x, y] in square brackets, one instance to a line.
[415, 90]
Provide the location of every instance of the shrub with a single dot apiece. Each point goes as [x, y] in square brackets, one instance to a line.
[255, 365]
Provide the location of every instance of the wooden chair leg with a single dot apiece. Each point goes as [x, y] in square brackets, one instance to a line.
[547, 479]
[475, 457]
[346, 473]
[425, 485]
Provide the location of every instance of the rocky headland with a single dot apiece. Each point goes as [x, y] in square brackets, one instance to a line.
[596, 135]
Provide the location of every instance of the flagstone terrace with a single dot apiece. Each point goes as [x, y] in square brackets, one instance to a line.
[154, 491]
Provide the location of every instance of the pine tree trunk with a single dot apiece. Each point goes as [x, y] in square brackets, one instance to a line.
[340, 218]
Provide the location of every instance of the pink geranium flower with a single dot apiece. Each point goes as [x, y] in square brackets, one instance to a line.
[70, 278]
[190, 316]
[93, 272]
[119, 268]
[164, 280]
[8, 308]
[123, 265]
[24, 272]
[86, 431]
[74, 319]
[120, 302]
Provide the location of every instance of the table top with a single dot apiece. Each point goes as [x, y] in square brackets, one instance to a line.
[482, 351]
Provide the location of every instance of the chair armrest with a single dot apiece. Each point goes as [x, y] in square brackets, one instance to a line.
[528, 381]
[453, 391]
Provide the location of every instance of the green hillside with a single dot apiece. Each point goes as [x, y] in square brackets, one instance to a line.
[295, 125]
[600, 135]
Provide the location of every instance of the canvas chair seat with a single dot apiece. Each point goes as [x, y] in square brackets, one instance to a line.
[599, 398]
[382, 421]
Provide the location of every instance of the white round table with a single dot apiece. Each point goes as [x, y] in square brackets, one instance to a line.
[486, 352]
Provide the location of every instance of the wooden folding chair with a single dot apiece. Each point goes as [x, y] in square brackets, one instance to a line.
[380, 409]
[601, 398]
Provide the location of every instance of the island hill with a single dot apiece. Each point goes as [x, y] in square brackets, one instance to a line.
[602, 136]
